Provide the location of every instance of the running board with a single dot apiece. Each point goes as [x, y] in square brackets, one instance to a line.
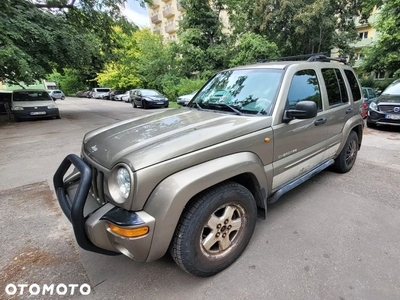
[296, 182]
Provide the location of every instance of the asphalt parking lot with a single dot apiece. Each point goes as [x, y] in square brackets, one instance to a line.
[334, 237]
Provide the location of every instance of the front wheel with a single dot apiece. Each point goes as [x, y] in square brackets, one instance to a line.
[144, 104]
[347, 157]
[63, 98]
[214, 229]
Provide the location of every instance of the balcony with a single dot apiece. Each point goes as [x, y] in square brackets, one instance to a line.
[171, 28]
[168, 12]
[362, 43]
[156, 3]
[155, 19]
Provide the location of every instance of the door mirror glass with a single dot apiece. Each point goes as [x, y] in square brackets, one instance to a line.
[302, 110]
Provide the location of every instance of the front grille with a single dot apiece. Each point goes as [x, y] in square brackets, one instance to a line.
[35, 108]
[97, 186]
[389, 108]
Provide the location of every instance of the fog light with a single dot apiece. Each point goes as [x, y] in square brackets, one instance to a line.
[128, 232]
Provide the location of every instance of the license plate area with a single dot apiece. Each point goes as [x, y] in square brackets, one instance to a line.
[160, 102]
[35, 113]
[392, 117]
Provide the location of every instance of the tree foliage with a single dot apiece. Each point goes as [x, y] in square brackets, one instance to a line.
[385, 54]
[39, 36]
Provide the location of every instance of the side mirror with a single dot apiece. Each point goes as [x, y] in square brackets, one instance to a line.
[303, 110]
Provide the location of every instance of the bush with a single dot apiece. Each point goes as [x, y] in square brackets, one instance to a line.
[173, 87]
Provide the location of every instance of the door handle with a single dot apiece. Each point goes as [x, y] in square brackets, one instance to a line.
[349, 111]
[320, 121]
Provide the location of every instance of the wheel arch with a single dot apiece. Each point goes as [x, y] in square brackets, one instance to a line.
[169, 199]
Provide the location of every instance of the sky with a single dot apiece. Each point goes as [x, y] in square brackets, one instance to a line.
[135, 13]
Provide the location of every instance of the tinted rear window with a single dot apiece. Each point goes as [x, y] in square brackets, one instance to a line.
[102, 90]
[355, 88]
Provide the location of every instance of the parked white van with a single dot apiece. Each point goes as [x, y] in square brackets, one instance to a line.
[33, 104]
[99, 92]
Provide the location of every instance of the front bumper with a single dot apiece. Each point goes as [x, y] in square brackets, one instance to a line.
[380, 118]
[156, 103]
[31, 113]
[90, 219]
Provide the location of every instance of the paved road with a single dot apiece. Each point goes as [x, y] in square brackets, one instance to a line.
[334, 237]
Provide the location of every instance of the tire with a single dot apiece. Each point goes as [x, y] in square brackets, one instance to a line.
[58, 116]
[144, 104]
[134, 104]
[63, 98]
[201, 245]
[17, 119]
[371, 125]
[166, 106]
[347, 157]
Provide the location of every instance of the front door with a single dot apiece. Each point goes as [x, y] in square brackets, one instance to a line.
[299, 145]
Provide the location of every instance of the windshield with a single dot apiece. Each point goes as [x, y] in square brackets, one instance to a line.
[251, 91]
[150, 93]
[393, 89]
[31, 96]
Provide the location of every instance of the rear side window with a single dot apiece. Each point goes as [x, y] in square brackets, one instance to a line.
[335, 87]
[355, 88]
[304, 87]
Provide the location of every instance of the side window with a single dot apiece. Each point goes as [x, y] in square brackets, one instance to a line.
[335, 87]
[304, 87]
[355, 88]
[371, 93]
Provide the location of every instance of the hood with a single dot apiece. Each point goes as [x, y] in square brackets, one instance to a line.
[388, 98]
[33, 103]
[155, 138]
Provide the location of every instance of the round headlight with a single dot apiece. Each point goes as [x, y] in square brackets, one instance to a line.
[123, 180]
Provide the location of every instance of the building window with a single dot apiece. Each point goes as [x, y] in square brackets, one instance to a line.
[380, 75]
[363, 35]
[391, 75]
[359, 56]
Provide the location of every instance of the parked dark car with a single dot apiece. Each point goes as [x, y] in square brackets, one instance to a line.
[385, 110]
[147, 98]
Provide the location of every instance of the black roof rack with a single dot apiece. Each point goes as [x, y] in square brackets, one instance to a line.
[309, 57]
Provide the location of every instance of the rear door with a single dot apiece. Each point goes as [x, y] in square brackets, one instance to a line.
[340, 103]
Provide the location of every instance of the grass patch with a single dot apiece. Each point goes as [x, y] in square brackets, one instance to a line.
[173, 105]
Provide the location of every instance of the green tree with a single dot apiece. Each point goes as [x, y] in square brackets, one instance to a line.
[55, 34]
[252, 47]
[202, 44]
[385, 54]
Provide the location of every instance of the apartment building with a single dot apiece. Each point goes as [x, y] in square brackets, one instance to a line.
[164, 18]
[166, 14]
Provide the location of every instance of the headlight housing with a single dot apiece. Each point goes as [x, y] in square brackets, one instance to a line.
[51, 106]
[120, 184]
[17, 108]
[373, 106]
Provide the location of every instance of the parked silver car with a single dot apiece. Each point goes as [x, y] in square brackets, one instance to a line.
[185, 99]
[56, 94]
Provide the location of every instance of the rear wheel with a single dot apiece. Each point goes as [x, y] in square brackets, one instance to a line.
[347, 157]
[214, 229]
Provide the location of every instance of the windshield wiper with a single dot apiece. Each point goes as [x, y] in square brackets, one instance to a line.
[236, 111]
[198, 106]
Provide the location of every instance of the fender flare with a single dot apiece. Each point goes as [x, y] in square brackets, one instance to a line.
[168, 200]
[354, 122]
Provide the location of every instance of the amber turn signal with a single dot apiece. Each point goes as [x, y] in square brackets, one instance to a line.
[128, 232]
[267, 140]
